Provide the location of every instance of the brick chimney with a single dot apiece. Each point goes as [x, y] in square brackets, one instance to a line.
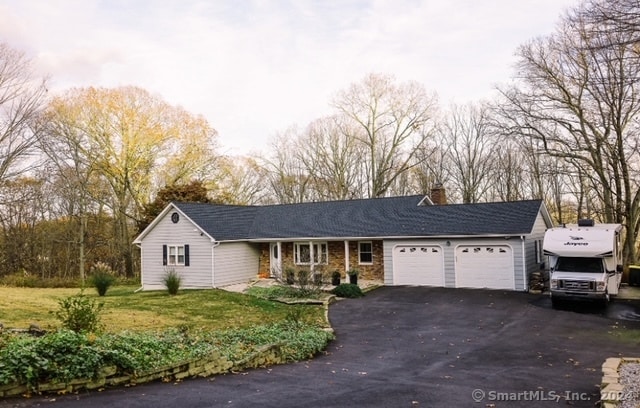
[438, 194]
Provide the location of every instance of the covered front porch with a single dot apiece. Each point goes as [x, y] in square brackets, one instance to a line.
[323, 257]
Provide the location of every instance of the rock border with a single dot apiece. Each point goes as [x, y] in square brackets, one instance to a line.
[611, 391]
[215, 363]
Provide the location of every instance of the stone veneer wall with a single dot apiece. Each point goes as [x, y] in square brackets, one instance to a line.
[375, 271]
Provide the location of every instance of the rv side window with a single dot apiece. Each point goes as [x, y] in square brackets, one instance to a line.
[570, 264]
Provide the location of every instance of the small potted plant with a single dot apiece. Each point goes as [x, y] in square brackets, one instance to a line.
[290, 275]
[353, 276]
[335, 278]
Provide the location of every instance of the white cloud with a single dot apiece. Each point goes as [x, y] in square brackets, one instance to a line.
[256, 67]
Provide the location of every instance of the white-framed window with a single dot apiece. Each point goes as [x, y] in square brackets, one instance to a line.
[302, 253]
[365, 252]
[175, 255]
[538, 247]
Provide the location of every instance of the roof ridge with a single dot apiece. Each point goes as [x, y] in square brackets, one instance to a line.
[346, 200]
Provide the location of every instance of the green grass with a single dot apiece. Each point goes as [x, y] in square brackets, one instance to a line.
[125, 310]
[626, 335]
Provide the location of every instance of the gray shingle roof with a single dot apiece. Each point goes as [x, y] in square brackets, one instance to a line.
[379, 217]
[223, 222]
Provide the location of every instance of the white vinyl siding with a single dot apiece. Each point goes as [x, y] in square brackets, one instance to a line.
[196, 275]
[235, 262]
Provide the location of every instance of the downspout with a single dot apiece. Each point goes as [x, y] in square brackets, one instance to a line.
[141, 286]
[214, 244]
[524, 265]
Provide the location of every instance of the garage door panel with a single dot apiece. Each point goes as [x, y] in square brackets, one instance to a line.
[418, 265]
[484, 266]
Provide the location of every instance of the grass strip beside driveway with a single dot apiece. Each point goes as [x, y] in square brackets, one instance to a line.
[124, 309]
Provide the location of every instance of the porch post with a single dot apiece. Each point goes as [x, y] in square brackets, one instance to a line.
[346, 258]
[311, 255]
[279, 245]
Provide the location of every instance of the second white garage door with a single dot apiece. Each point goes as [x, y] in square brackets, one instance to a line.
[484, 266]
[418, 265]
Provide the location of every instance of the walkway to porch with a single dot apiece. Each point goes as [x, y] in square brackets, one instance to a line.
[365, 285]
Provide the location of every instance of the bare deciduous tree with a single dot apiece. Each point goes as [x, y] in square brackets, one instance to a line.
[391, 121]
[21, 99]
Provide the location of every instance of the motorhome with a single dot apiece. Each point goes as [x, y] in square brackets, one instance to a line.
[585, 261]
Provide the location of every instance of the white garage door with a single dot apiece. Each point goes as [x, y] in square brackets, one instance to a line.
[418, 265]
[484, 266]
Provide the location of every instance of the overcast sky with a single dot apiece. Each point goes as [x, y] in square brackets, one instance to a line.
[254, 68]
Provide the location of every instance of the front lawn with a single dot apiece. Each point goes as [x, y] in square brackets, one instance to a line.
[146, 330]
[210, 309]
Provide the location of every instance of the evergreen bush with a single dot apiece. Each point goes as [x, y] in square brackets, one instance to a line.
[347, 290]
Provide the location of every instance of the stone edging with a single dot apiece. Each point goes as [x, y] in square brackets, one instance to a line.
[213, 364]
[611, 391]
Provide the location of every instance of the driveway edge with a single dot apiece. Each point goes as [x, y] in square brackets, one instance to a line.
[611, 391]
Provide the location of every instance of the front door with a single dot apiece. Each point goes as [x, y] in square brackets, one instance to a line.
[275, 267]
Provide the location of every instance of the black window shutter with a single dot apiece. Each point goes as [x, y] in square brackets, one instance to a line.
[186, 255]
[164, 255]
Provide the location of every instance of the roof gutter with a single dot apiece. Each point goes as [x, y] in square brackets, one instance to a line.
[357, 238]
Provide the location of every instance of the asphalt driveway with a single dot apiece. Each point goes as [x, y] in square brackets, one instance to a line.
[416, 347]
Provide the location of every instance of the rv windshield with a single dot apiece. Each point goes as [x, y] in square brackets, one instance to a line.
[571, 264]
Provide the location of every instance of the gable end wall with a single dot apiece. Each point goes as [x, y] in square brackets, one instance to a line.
[197, 275]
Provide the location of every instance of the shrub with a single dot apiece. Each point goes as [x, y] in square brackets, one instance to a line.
[172, 281]
[79, 313]
[102, 277]
[347, 290]
[60, 356]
